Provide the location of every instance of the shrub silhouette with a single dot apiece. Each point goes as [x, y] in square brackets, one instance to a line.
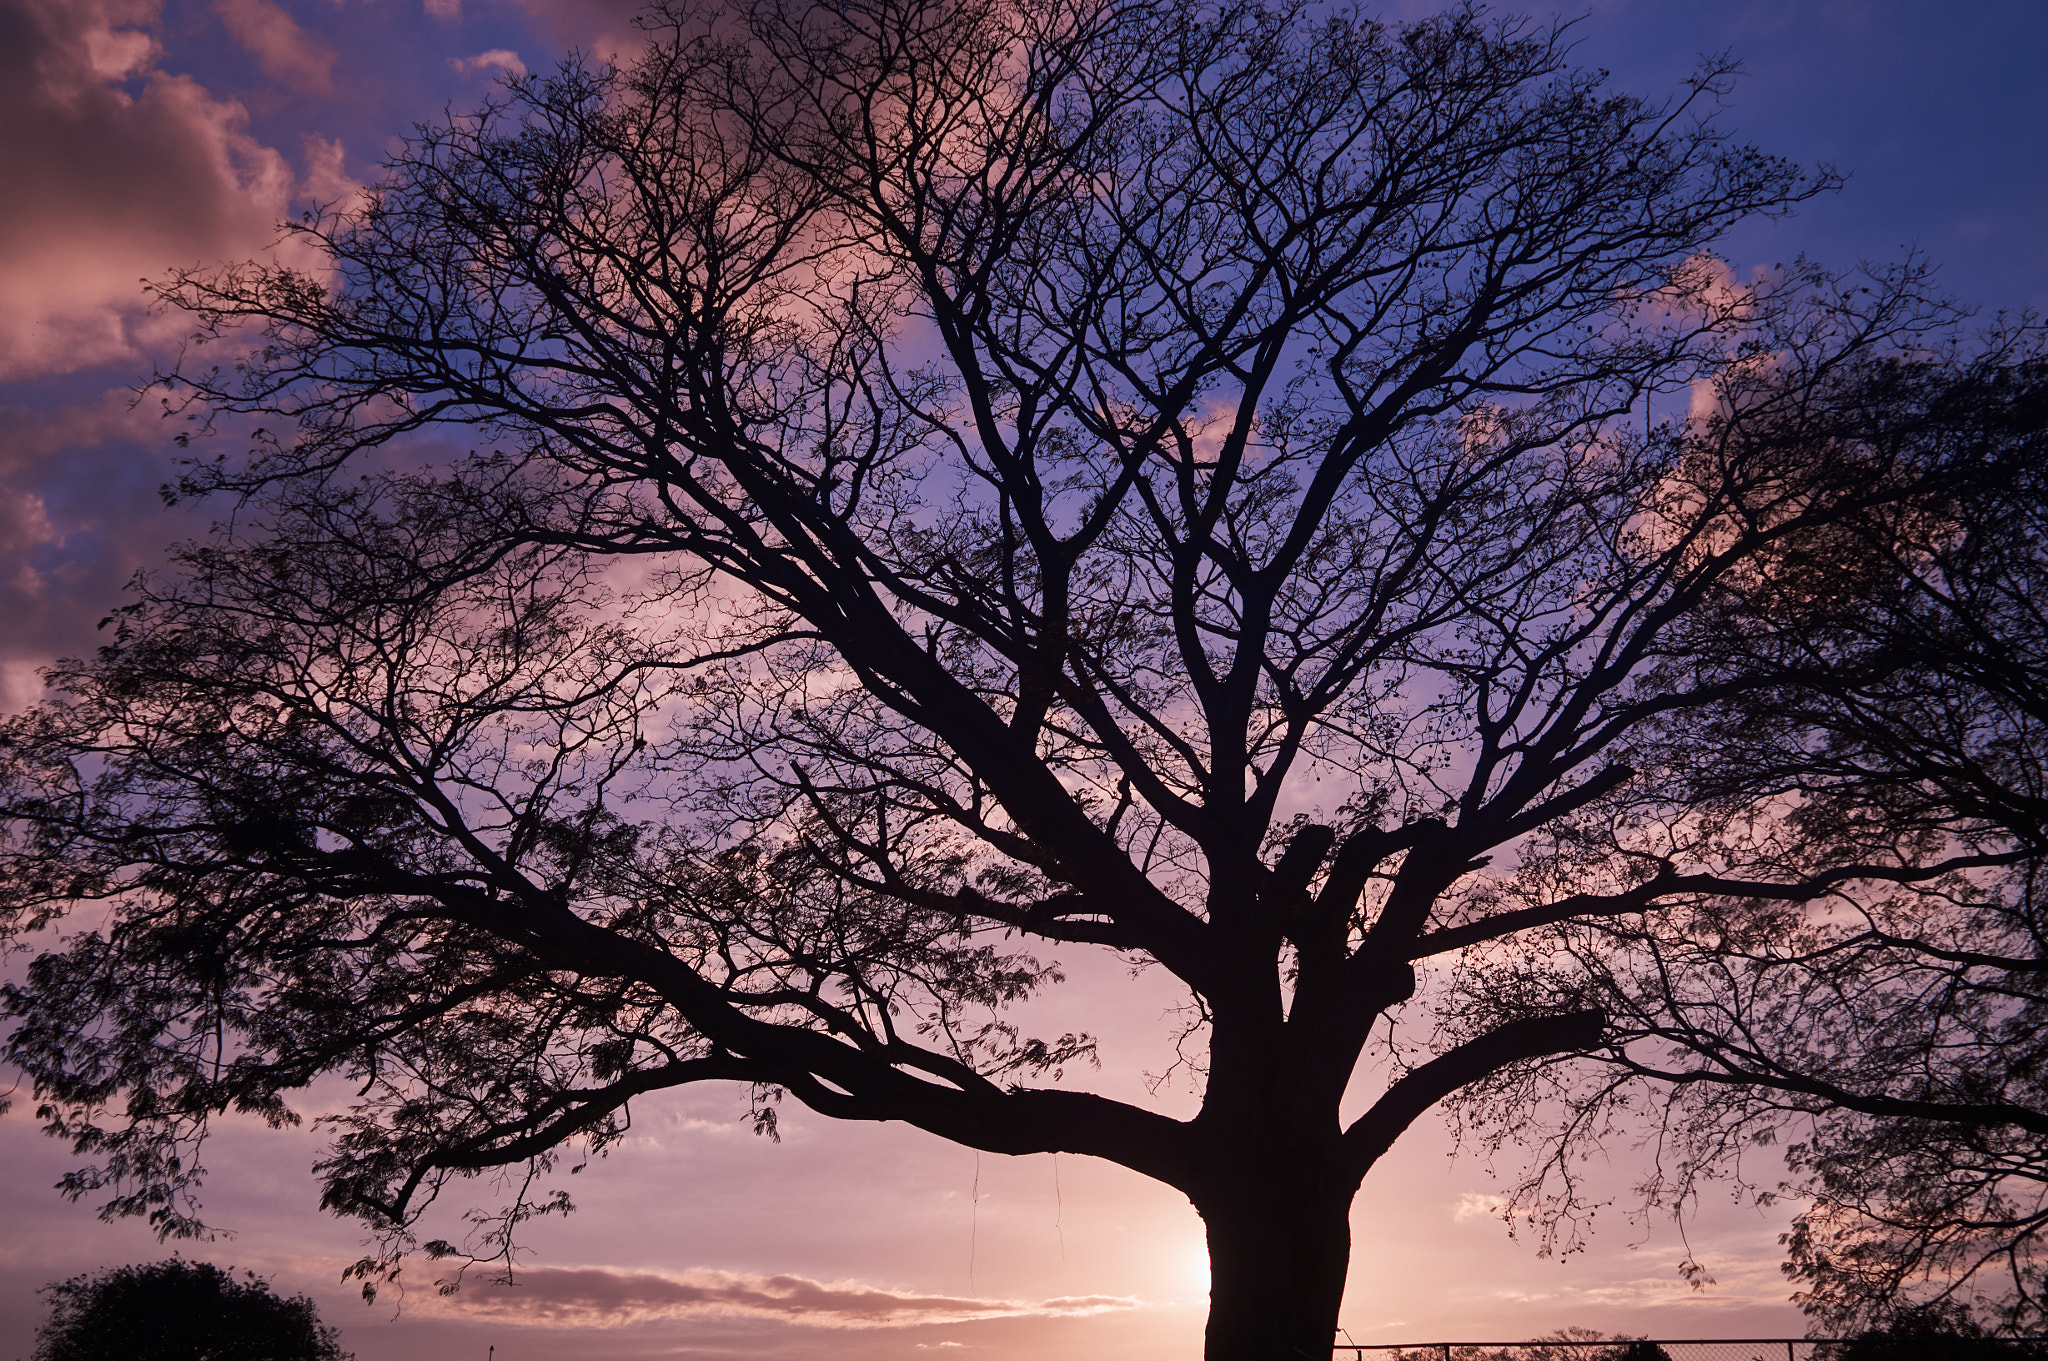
[1920, 1338]
[179, 1311]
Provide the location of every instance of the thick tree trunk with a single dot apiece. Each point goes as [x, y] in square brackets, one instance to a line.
[1279, 1243]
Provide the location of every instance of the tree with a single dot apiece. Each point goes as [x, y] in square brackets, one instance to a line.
[1927, 1177]
[1894, 688]
[1641, 1350]
[958, 479]
[1933, 1336]
[179, 1311]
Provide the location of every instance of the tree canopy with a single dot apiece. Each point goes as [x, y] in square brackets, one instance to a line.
[1889, 1035]
[177, 1310]
[1283, 499]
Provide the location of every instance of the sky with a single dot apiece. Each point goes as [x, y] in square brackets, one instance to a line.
[139, 135]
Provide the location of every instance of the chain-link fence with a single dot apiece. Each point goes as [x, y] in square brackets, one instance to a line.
[1670, 1349]
[1609, 1349]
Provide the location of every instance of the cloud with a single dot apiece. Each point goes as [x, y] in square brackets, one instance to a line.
[600, 1297]
[1738, 1284]
[285, 52]
[78, 515]
[1477, 1205]
[447, 10]
[603, 28]
[326, 181]
[497, 59]
[114, 170]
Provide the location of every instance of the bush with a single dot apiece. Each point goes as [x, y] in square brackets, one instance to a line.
[179, 1311]
[1913, 1337]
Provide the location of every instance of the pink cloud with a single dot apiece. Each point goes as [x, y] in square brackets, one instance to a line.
[326, 180]
[107, 184]
[602, 27]
[284, 51]
[602, 1297]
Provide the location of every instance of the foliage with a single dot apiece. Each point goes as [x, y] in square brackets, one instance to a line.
[1935, 1333]
[176, 1310]
[1893, 1035]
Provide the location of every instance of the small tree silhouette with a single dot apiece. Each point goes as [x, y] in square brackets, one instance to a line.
[1641, 1350]
[1936, 1334]
[179, 1311]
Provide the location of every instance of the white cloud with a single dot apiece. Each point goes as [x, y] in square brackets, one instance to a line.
[1477, 1205]
[496, 60]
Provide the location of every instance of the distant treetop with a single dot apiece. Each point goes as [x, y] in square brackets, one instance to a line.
[177, 1310]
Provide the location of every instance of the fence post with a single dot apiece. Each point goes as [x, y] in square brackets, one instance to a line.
[1789, 1356]
[1447, 1351]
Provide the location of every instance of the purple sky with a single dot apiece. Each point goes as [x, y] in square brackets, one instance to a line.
[141, 134]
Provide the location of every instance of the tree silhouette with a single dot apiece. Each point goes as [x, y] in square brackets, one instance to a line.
[1894, 689]
[956, 480]
[1932, 1334]
[179, 1311]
